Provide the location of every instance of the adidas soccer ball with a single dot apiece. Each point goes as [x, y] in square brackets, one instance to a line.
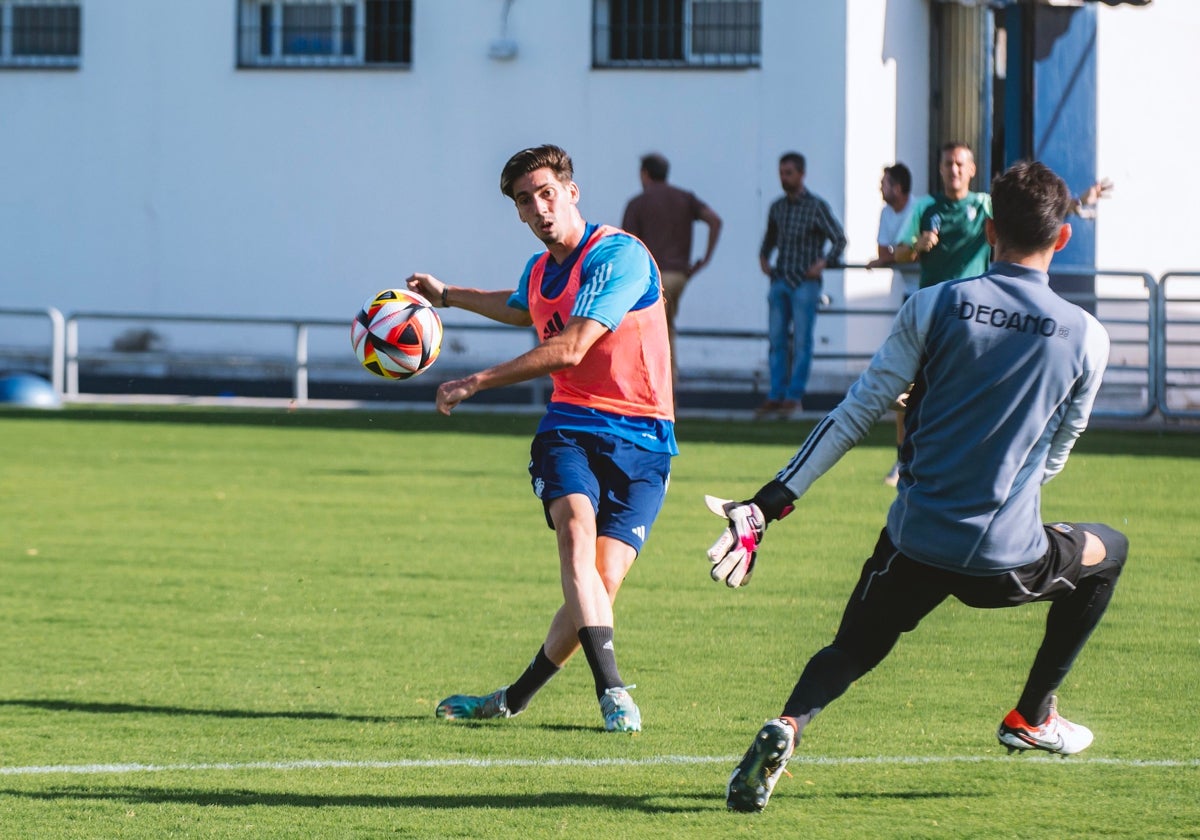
[397, 334]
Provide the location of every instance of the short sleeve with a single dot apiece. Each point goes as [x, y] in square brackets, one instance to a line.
[618, 276]
[519, 299]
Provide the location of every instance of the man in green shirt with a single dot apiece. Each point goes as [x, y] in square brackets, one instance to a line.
[948, 233]
[949, 239]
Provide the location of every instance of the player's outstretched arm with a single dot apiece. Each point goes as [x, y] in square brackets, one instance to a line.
[489, 304]
[561, 351]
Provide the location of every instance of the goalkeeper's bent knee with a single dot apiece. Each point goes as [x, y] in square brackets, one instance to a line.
[1116, 551]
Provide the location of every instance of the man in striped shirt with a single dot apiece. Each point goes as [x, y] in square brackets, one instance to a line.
[799, 227]
[1006, 373]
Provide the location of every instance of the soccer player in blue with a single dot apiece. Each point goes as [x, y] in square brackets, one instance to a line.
[1006, 373]
[601, 458]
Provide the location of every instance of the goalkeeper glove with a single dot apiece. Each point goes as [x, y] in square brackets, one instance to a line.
[734, 553]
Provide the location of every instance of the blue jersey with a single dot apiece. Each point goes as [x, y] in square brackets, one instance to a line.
[1005, 373]
[618, 276]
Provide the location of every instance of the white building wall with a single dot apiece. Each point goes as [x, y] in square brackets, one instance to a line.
[160, 178]
[1148, 120]
[887, 79]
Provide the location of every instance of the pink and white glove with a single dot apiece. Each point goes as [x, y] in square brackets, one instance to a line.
[733, 554]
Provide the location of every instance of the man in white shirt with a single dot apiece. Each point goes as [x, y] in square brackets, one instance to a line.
[898, 207]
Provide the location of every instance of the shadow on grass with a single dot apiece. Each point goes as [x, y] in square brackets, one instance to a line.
[141, 709]
[95, 708]
[665, 803]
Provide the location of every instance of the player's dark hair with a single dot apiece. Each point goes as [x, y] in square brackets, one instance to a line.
[795, 159]
[1029, 205]
[953, 146]
[656, 167]
[530, 160]
[900, 176]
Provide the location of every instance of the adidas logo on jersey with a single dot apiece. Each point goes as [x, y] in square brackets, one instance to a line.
[553, 327]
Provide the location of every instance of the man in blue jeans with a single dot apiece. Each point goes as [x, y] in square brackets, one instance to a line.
[799, 224]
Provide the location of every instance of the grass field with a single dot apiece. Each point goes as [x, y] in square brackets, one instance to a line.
[223, 623]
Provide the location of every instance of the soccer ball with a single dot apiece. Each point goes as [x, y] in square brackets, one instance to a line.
[397, 334]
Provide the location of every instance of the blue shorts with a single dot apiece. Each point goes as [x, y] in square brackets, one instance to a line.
[626, 484]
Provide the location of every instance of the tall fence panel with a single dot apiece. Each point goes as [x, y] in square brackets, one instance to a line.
[1179, 349]
[1128, 304]
[50, 358]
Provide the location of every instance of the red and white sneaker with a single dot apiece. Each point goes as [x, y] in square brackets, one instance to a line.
[1056, 734]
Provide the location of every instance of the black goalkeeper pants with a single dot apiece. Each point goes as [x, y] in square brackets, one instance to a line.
[895, 592]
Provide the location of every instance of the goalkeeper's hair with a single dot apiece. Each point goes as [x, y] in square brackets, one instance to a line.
[529, 160]
[1029, 205]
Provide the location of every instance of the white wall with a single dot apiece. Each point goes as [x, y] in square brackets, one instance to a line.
[158, 177]
[887, 76]
[1148, 123]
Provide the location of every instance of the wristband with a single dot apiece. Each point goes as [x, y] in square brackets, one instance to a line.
[774, 500]
[445, 289]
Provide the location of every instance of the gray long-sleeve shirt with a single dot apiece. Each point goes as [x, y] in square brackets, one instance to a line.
[1005, 373]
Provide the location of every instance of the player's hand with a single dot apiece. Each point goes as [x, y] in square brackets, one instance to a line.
[926, 242]
[450, 394]
[427, 286]
[1100, 189]
[733, 554]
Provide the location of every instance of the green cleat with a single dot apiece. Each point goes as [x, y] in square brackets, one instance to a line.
[470, 707]
[621, 714]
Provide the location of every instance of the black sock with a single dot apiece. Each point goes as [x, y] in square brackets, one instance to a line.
[825, 678]
[1070, 622]
[540, 671]
[1068, 625]
[597, 645]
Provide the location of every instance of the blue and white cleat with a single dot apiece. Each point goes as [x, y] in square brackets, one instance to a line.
[470, 707]
[621, 714]
[754, 778]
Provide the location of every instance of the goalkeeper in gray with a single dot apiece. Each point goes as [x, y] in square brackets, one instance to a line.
[1003, 376]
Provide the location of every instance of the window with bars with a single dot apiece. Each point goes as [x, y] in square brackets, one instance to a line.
[676, 33]
[40, 33]
[325, 33]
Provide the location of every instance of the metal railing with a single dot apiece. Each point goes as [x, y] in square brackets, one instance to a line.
[54, 357]
[1179, 348]
[1134, 325]
[293, 359]
[1154, 328]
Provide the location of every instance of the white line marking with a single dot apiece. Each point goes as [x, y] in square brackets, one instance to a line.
[404, 764]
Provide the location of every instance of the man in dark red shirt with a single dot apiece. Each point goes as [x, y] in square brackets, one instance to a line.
[662, 216]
